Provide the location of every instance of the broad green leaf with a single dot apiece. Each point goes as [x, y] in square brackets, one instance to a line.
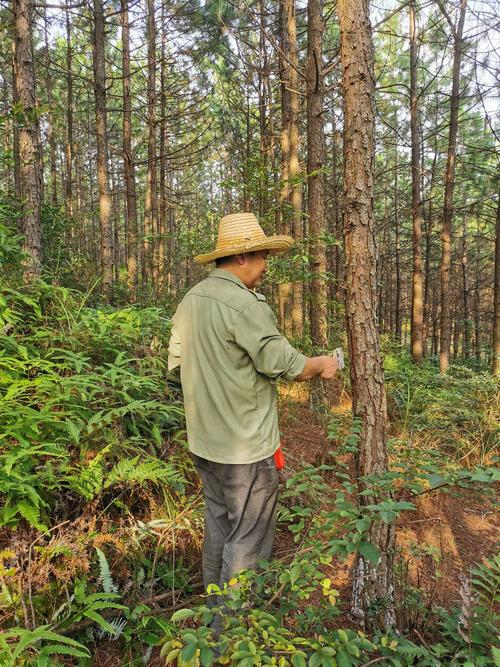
[181, 615]
[369, 551]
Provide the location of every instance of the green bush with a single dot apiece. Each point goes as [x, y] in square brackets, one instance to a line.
[85, 405]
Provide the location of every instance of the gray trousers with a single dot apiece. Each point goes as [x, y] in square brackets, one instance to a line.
[240, 516]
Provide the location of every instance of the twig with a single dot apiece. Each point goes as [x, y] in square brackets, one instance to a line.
[420, 637]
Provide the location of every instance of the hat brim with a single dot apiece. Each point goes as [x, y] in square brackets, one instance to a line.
[275, 244]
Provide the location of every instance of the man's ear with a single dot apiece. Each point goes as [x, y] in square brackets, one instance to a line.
[240, 259]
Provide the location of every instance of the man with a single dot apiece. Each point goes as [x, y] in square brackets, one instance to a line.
[231, 354]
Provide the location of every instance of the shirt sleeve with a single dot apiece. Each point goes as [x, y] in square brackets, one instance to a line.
[174, 349]
[272, 355]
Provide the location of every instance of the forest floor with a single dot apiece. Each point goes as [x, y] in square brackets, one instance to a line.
[453, 531]
[447, 534]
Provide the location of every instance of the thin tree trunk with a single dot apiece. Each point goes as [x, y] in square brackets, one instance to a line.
[372, 583]
[334, 223]
[105, 225]
[465, 292]
[417, 314]
[50, 120]
[448, 194]
[15, 130]
[30, 173]
[285, 227]
[397, 306]
[150, 202]
[477, 305]
[163, 202]
[294, 164]
[128, 162]
[315, 176]
[428, 245]
[69, 120]
[496, 298]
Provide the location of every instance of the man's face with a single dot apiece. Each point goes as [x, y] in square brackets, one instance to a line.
[254, 267]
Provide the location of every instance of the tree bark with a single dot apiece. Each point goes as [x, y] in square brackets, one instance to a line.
[496, 315]
[50, 120]
[150, 201]
[163, 199]
[371, 582]
[428, 292]
[397, 307]
[30, 170]
[284, 289]
[69, 119]
[105, 224]
[465, 292]
[128, 162]
[444, 352]
[315, 176]
[15, 130]
[417, 312]
[294, 170]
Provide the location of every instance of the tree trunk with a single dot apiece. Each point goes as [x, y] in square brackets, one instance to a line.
[397, 307]
[417, 312]
[105, 224]
[50, 120]
[496, 298]
[285, 227]
[163, 201]
[477, 305]
[150, 201]
[30, 171]
[294, 170]
[15, 129]
[69, 120]
[128, 162]
[448, 194]
[335, 226]
[428, 245]
[372, 583]
[315, 176]
[465, 293]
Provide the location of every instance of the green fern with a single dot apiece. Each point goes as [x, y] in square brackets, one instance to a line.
[486, 582]
[106, 579]
[135, 471]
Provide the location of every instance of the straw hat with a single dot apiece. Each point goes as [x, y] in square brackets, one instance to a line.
[241, 232]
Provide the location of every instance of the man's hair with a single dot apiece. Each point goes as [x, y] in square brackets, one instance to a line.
[221, 261]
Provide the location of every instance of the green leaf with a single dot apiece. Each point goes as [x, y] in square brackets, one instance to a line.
[61, 649]
[172, 656]
[206, 656]
[369, 551]
[188, 652]
[181, 615]
[343, 659]
[102, 622]
[298, 660]
[31, 514]
[315, 660]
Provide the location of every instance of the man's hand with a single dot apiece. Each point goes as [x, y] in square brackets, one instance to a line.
[324, 366]
[330, 367]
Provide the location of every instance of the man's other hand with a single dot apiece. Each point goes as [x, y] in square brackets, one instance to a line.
[324, 366]
[330, 367]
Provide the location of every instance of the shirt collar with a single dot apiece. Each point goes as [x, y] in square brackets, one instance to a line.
[228, 275]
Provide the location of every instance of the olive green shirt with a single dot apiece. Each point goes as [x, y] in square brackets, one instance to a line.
[231, 354]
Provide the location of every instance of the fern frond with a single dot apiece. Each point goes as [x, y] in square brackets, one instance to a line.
[105, 573]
